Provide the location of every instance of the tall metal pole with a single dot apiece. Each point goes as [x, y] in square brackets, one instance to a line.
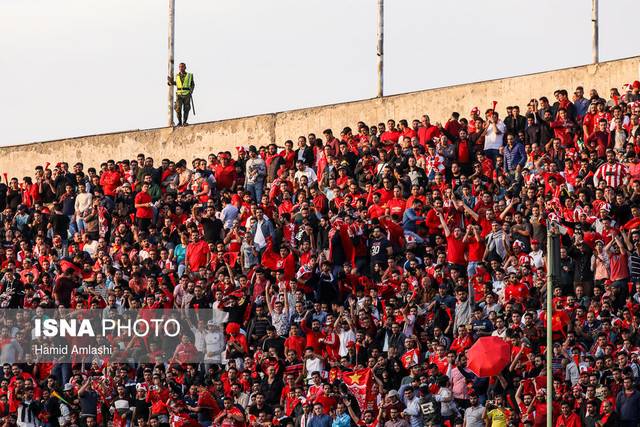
[172, 28]
[552, 267]
[594, 24]
[380, 49]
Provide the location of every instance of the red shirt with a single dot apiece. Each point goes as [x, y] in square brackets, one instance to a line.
[571, 421]
[426, 134]
[476, 250]
[396, 206]
[619, 267]
[464, 153]
[110, 180]
[516, 291]
[390, 136]
[376, 211]
[197, 255]
[225, 176]
[455, 250]
[460, 344]
[409, 132]
[141, 199]
[295, 343]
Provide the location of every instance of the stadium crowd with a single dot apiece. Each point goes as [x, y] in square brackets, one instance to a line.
[351, 273]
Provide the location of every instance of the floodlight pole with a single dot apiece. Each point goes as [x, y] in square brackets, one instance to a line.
[553, 252]
[594, 33]
[172, 28]
[380, 47]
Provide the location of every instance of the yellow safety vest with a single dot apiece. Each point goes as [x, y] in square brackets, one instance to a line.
[184, 87]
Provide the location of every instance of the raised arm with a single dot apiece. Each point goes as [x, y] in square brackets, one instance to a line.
[445, 227]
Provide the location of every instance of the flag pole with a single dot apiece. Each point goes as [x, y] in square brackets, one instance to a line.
[380, 47]
[172, 27]
[553, 250]
[595, 54]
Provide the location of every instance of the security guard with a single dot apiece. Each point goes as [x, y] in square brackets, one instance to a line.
[184, 88]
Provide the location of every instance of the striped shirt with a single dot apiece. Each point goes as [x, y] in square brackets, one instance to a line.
[634, 266]
[611, 174]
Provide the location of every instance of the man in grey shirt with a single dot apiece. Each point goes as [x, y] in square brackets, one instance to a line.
[464, 306]
[255, 173]
[473, 414]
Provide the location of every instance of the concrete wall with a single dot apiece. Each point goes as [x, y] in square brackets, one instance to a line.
[198, 140]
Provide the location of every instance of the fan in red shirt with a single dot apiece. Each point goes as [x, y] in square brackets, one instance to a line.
[427, 132]
[283, 260]
[456, 246]
[110, 179]
[397, 204]
[568, 418]
[225, 173]
[143, 204]
[563, 128]
[391, 136]
[462, 342]
[230, 416]
[515, 290]
[295, 342]
[406, 131]
[198, 253]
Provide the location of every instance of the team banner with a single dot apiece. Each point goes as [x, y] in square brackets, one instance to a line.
[111, 334]
[359, 384]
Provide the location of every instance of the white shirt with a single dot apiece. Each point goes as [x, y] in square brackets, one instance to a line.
[446, 408]
[313, 365]
[345, 338]
[308, 172]
[492, 140]
[214, 346]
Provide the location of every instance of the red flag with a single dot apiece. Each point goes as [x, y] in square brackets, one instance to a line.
[493, 107]
[334, 374]
[359, 384]
[410, 358]
[231, 258]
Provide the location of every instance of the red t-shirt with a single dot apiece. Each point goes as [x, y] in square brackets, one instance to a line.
[110, 180]
[516, 291]
[144, 212]
[225, 176]
[396, 206]
[455, 250]
[426, 134]
[476, 250]
[619, 267]
[197, 255]
[295, 343]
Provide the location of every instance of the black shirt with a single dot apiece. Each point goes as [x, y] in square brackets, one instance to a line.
[277, 343]
[3, 196]
[142, 409]
[378, 250]
[13, 199]
[272, 391]
[60, 224]
[212, 229]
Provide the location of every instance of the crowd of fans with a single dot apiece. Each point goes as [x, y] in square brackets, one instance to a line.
[391, 246]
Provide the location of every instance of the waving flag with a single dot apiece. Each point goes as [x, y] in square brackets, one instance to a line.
[410, 358]
[359, 384]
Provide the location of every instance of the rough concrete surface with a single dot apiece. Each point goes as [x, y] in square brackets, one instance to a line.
[201, 139]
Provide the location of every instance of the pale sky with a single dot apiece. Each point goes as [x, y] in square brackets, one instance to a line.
[81, 67]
